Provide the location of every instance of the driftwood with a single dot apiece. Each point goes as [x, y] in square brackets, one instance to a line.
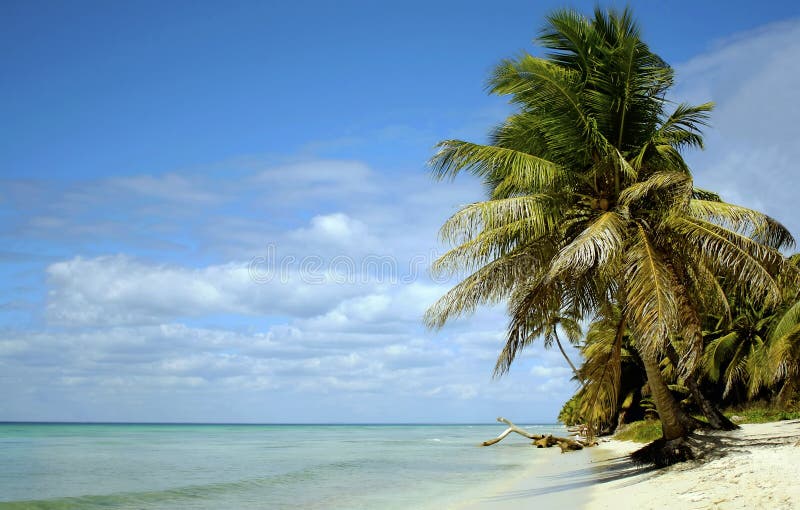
[539, 440]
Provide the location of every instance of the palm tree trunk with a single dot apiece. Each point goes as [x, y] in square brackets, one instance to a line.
[715, 418]
[785, 395]
[673, 423]
[569, 361]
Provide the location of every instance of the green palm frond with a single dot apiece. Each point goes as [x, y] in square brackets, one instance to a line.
[749, 222]
[787, 322]
[570, 38]
[572, 328]
[538, 86]
[717, 353]
[684, 126]
[528, 172]
[704, 194]
[540, 212]
[489, 245]
[601, 371]
[709, 291]
[523, 133]
[530, 306]
[784, 344]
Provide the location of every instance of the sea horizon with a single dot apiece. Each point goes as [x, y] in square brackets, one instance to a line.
[59, 422]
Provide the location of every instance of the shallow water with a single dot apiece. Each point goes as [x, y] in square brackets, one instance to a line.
[122, 466]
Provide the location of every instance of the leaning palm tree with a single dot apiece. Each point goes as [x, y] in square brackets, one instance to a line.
[591, 205]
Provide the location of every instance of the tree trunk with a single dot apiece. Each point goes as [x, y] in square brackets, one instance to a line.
[715, 418]
[569, 361]
[784, 396]
[673, 419]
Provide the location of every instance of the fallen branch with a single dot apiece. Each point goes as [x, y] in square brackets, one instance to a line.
[539, 440]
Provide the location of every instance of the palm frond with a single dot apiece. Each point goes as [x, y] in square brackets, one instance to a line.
[599, 243]
[717, 353]
[539, 212]
[749, 222]
[727, 252]
[489, 284]
[489, 245]
[704, 194]
[538, 85]
[651, 306]
[601, 371]
[671, 184]
[683, 127]
[531, 173]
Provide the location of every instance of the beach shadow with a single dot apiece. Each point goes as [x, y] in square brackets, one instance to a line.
[715, 445]
[599, 472]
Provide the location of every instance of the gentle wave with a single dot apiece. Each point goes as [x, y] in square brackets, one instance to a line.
[191, 492]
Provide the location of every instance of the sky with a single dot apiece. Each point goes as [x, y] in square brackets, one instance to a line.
[222, 212]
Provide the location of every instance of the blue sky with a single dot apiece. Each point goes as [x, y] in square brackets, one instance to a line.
[222, 213]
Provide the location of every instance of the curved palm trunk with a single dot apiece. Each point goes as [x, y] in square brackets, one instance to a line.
[785, 395]
[710, 411]
[569, 361]
[715, 418]
[673, 419]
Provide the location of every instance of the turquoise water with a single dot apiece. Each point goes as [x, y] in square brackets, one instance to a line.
[83, 466]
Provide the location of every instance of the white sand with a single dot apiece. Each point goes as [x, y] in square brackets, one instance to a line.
[760, 469]
[757, 467]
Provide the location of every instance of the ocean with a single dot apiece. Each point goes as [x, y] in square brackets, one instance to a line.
[170, 466]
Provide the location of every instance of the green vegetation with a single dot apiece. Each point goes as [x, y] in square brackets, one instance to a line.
[591, 216]
[643, 431]
[756, 414]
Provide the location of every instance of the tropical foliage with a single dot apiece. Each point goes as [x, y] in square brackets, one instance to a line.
[592, 216]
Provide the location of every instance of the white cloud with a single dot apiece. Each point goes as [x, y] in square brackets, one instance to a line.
[118, 289]
[751, 149]
[166, 367]
[316, 180]
[334, 230]
[549, 371]
[169, 187]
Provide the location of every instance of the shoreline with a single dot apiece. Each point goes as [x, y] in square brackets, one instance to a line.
[553, 480]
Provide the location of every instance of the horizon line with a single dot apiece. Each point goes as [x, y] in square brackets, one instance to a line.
[60, 422]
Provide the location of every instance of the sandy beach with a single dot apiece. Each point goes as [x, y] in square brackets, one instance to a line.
[755, 467]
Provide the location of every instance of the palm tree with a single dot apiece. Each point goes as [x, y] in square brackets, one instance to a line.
[735, 345]
[777, 365]
[591, 204]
